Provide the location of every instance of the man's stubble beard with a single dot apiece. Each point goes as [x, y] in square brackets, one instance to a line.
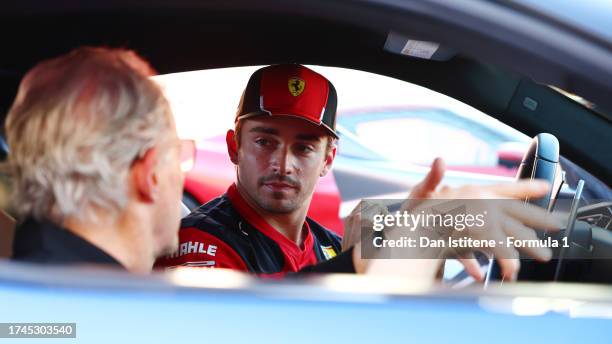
[273, 206]
[291, 206]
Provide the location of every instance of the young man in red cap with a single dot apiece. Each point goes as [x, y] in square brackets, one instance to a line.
[283, 142]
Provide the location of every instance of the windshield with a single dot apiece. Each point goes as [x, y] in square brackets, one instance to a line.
[592, 16]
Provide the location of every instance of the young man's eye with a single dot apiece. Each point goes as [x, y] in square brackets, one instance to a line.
[305, 148]
[262, 142]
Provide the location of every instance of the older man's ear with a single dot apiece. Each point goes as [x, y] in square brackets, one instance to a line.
[144, 176]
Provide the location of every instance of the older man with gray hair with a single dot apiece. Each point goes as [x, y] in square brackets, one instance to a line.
[96, 162]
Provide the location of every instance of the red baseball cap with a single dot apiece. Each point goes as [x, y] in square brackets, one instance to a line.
[290, 90]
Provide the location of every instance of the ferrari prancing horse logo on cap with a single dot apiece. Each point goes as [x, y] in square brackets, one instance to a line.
[296, 86]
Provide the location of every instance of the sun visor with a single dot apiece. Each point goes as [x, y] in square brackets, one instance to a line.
[403, 45]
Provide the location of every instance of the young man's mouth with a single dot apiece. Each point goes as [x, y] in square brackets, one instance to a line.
[279, 186]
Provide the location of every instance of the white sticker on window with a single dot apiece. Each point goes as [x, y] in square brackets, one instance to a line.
[421, 49]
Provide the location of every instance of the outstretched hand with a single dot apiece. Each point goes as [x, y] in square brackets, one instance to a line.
[367, 210]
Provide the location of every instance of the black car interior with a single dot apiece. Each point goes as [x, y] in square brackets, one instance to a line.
[176, 37]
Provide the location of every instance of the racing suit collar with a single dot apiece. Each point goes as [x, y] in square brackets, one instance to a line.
[257, 221]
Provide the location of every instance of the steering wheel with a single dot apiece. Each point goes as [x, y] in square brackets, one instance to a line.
[541, 161]
[586, 255]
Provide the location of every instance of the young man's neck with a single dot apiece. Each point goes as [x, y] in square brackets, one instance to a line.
[290, 225]
[119, 239]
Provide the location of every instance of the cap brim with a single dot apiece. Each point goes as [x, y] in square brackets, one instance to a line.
[268, 113]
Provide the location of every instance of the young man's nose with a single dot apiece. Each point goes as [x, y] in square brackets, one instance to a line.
[282, 161]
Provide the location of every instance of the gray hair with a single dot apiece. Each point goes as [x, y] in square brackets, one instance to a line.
[77, 124]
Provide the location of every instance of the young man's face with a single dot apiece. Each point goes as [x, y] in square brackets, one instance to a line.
[279, 161]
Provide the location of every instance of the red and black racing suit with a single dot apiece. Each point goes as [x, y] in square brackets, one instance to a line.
[228, 233]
